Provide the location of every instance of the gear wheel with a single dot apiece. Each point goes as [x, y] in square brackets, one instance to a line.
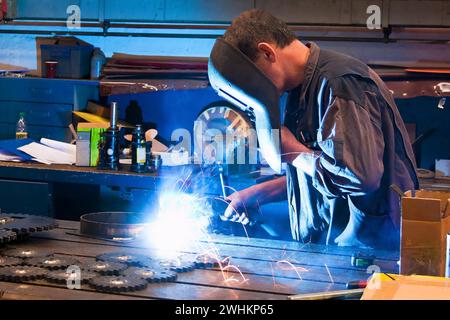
[52, 262]
[179, 265]
[106, 268]
[26, 253]
[130, 259]
[61, 276]
[151, 275]
[206, 261]
[23, 224]
[7, 236]
[10, 261]
[118, 283]
[21, 273]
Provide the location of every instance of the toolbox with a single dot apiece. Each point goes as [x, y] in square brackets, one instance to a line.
[73, 56]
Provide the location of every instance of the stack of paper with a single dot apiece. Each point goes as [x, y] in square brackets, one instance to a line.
[51, 152]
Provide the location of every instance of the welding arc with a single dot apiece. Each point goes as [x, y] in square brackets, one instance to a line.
[21, 273]
[152, 275]
[118, 283]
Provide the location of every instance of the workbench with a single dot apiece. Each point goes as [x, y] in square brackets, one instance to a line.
[263, 263]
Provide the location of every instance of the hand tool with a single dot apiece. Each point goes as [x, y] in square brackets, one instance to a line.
[360, 284]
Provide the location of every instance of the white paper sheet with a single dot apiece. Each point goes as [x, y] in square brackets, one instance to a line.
[61, 146]
[48, 155]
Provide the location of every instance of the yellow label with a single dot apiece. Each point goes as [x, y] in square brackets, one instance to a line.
[140, 155]
[21, 135]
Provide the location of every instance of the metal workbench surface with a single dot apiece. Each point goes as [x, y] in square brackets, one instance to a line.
[30, 171]
[268, 269]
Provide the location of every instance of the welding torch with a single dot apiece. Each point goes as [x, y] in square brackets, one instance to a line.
[246, 220]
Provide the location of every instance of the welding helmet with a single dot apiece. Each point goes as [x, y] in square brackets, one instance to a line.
[238, 80]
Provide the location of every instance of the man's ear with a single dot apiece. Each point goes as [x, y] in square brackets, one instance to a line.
[267, 51]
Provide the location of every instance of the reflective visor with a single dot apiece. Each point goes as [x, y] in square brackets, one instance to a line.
[238, 80]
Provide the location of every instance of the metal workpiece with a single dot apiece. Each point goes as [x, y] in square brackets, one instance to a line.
[180, 265]
[62, 276]
[105, 268]
[118, 283]
[52, 262]
[10, 261]
[153, 274]
[125, 257]
[21, 273]
[206, 261]
[25, 253]
[112, 225]
[24, 225]
[114, 114]
[7, 236]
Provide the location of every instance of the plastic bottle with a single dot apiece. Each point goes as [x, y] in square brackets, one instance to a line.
[97, 62]
[21, 128]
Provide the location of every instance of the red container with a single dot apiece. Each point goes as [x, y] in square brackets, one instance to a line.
[51, 68]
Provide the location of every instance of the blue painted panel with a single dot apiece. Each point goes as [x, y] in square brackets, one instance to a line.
[134, 10]
[42, 90]
[37, 113]
[205, 10]
[424, 113]
[170, 110]
[55, 9]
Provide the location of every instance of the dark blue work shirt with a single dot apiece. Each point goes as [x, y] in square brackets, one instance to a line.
[345, 112]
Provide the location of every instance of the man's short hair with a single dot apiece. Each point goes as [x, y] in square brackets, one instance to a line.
[254, 26]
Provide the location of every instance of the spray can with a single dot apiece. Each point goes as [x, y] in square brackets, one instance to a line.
[447, 261]
[138, 151]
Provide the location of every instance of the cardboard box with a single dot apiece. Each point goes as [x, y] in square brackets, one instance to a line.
[95, 130]
[425, 224]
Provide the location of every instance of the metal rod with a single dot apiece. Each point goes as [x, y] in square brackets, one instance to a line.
[114, 114]
[328, 295]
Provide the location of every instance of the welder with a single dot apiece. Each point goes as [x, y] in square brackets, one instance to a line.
[342, 138]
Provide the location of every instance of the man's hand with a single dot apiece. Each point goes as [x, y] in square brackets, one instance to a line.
[249, 200]
[241, 202]
[290, 146]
